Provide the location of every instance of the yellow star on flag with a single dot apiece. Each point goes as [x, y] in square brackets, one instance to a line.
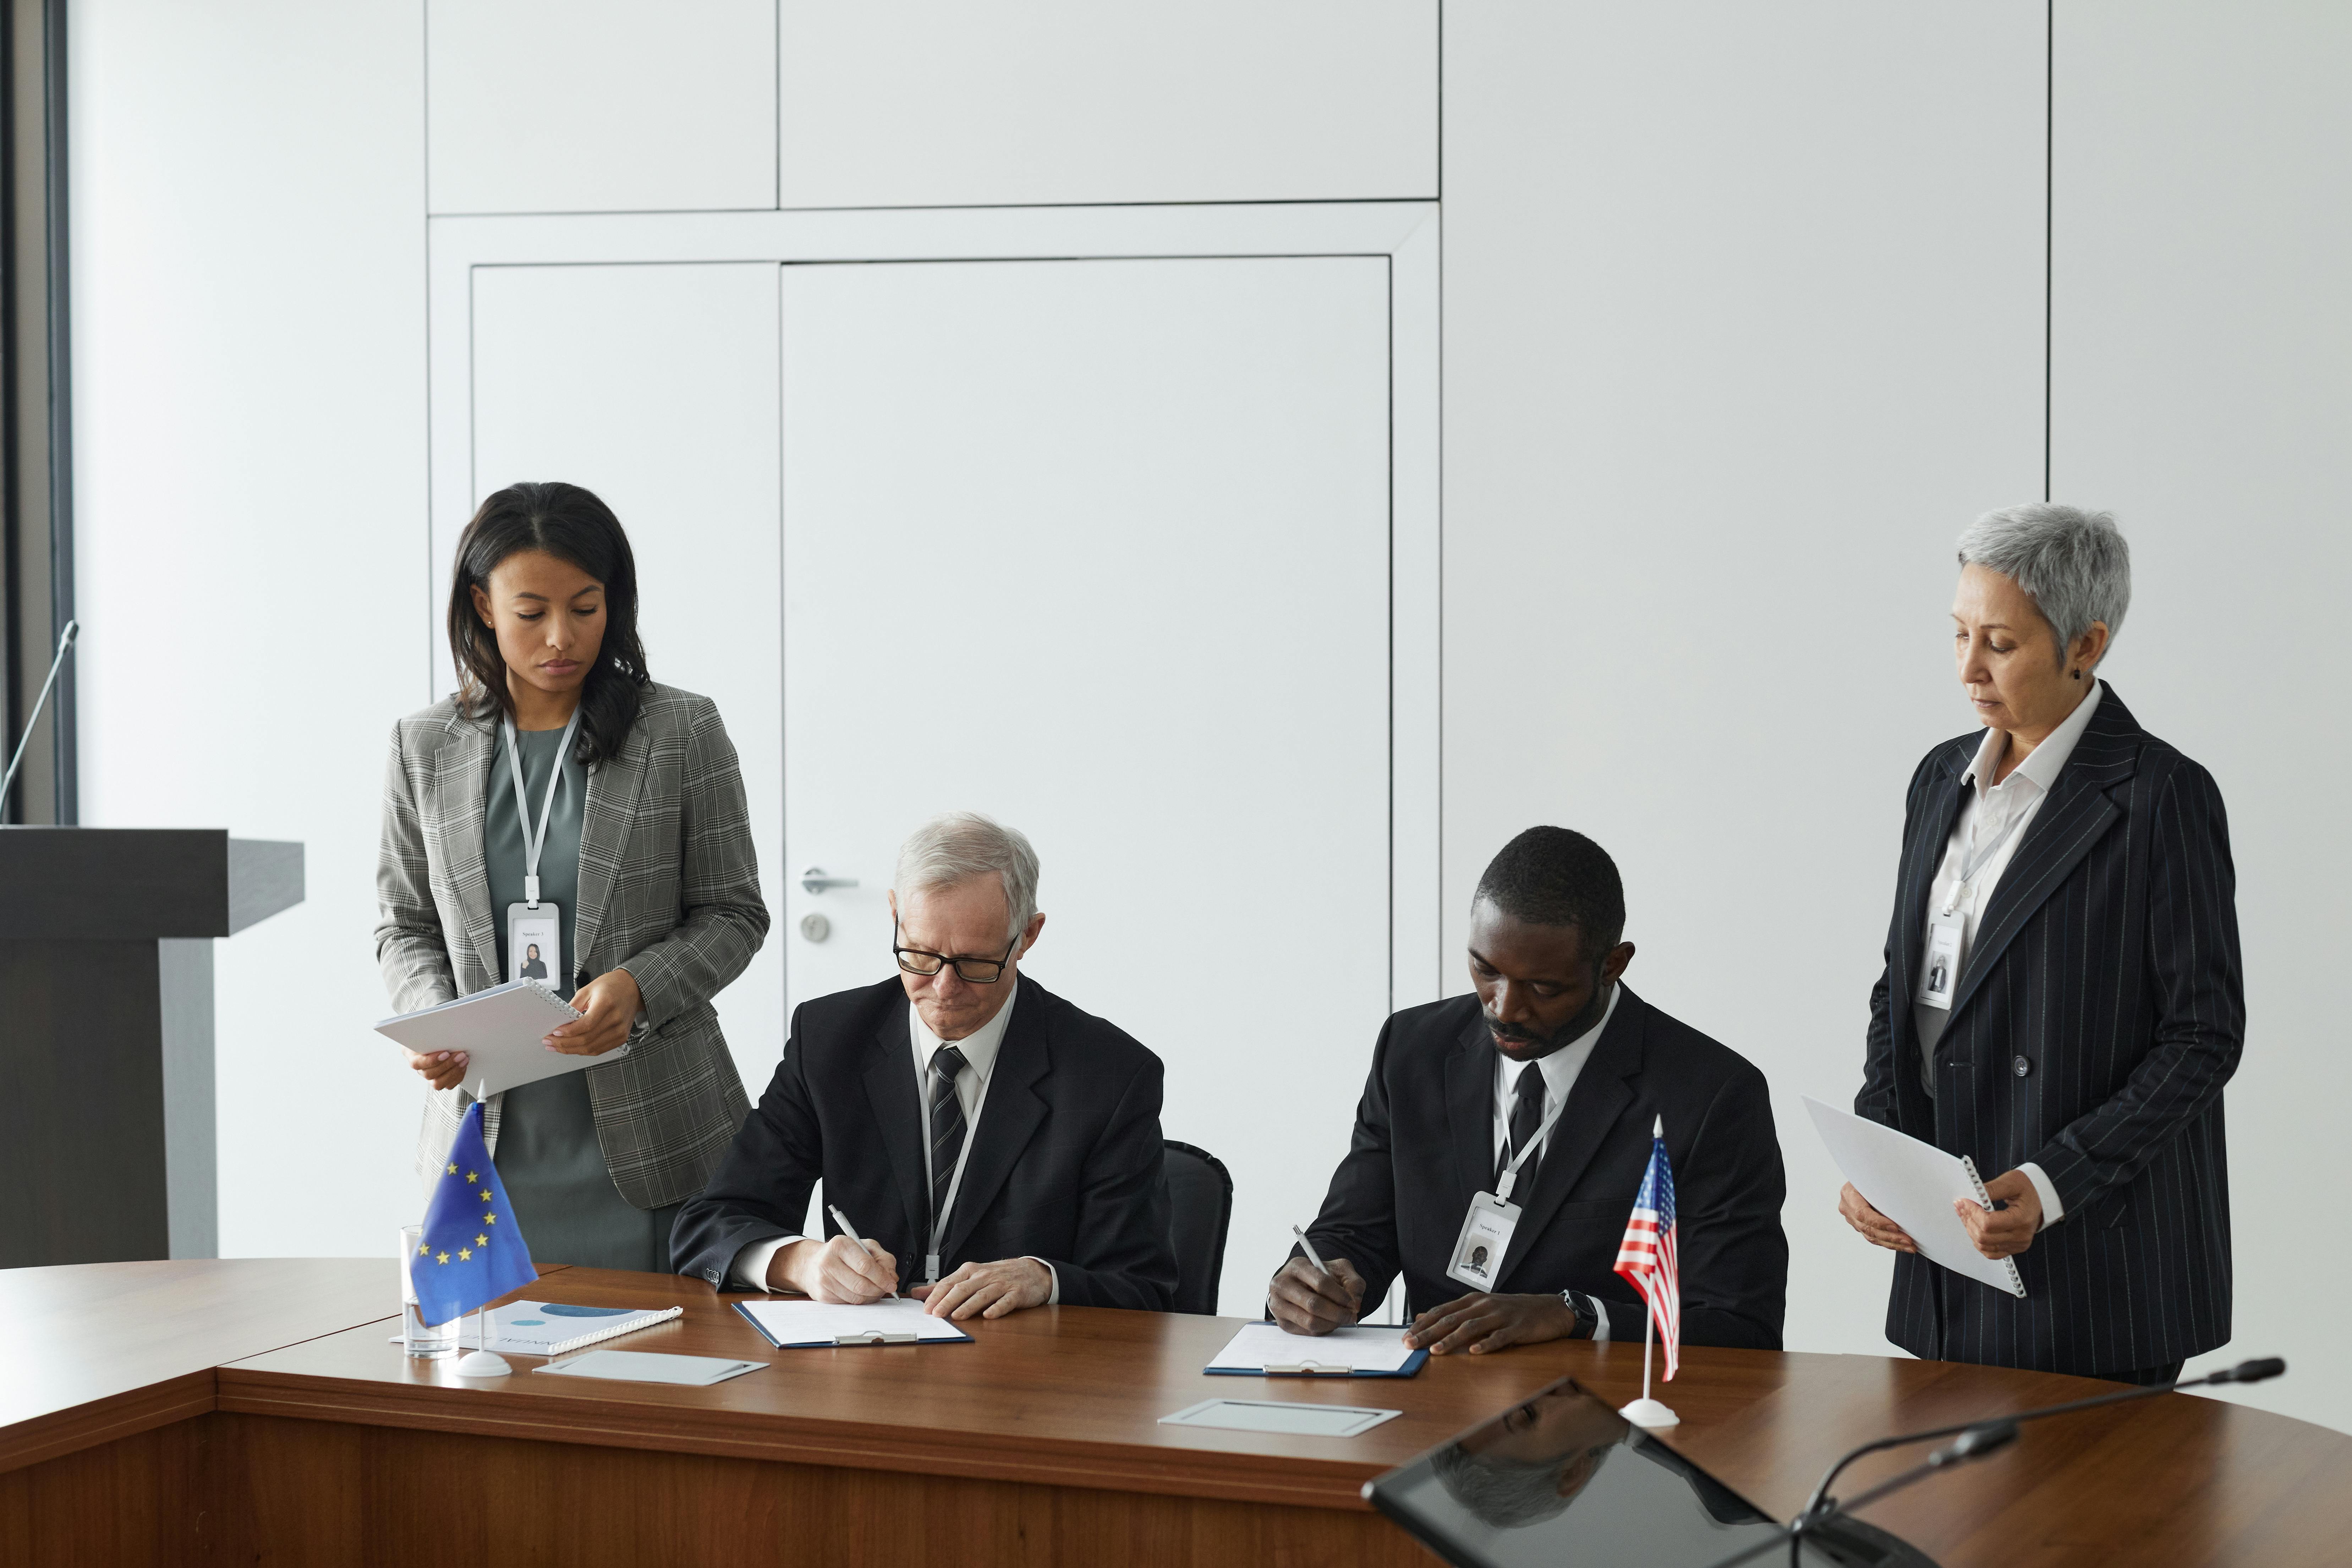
[470, 1177]
[441, 1257]
[423, 1248]
[466, 1253]
[453, 1169]
[490, 1219]
[481, 1241]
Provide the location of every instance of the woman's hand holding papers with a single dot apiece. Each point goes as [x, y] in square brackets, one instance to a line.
[442, 1069]
[2010, 1229]
[1875, 1227]
[610, 1003]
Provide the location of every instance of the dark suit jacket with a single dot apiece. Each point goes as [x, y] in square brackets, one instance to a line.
[1424, 1144]
[1064, 1164]
[2100, 1010]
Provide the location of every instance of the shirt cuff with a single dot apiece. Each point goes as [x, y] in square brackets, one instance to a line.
[2053, 1211]
[1054, 1296]
[1600, 1308]
[750, 1268]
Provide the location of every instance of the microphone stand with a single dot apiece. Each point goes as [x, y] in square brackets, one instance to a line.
[73, 629]
[1976, 1440]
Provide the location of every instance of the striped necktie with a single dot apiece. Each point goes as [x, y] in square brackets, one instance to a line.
[947, 1133]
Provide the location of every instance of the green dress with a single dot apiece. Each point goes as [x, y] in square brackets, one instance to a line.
[548, 1155]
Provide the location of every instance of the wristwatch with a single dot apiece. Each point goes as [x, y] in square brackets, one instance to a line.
[1588, 1318]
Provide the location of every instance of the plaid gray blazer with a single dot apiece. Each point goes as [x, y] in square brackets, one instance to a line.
[669, 890]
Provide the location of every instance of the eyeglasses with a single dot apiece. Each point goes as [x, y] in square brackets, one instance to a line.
[977, 970]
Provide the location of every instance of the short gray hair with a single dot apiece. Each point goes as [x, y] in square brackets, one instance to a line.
[1510, 1494]
[962, 844]
[2073, 563]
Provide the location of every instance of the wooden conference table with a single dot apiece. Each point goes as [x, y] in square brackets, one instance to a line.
[256, 1412]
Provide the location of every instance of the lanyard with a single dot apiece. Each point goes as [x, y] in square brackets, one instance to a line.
[1511, 1171]
[532, 837]
[1973, 862]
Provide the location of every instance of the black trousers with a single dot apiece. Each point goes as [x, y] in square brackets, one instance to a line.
[2147, 1377]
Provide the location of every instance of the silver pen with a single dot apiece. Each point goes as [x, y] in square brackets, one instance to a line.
[850, 1231]
[1312, 1256]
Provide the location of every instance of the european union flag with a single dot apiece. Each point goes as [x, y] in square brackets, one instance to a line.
[473, 1251]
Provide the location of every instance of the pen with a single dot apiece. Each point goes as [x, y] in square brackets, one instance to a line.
[850, 1231]
[1312, 1256]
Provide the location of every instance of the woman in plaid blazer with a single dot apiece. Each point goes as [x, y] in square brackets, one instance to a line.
[646, 856]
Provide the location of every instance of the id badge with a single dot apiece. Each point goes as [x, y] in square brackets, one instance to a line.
[1941, 969]
[1485, 1241]
[535, 944]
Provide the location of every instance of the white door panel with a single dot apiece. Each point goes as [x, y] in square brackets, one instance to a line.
[1102, 547]
[656, 387]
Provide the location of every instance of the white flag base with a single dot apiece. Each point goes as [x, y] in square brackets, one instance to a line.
[486, 1364]
[1640, 1413]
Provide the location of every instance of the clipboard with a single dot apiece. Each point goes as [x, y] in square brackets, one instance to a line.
[829, 1327]
[1263, 1350]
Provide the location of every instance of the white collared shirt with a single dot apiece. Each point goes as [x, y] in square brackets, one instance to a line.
[1988, 810]
[980, 1048]
[1561, 1070]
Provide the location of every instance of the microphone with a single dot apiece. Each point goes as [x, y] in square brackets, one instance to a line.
[1976, 1441]
[73, 629]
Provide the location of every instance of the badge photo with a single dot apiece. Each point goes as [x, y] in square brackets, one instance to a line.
[535, 944]
[1484, 1241]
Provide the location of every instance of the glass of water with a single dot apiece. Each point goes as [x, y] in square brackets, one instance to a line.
[425, 1342]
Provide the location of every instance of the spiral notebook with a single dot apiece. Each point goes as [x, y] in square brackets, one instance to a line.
[1913, 1184]
[501, 1030]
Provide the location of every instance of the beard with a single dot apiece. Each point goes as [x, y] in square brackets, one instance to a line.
[1530, 1044]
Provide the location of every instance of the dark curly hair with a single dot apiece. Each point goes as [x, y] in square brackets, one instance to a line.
[571, 524]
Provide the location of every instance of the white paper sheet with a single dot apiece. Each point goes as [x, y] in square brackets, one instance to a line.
[1912, 1184]
[798, 1323]
[1272, 1416]
[1359, 1349]
[500, 1030]
[645, 1367]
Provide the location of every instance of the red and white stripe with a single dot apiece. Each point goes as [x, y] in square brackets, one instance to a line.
[1646, 1258]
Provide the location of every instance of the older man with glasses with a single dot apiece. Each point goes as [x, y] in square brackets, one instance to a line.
[992, 1147]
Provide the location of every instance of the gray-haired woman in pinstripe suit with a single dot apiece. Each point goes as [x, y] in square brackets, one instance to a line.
[2071, 875]
[560, 781]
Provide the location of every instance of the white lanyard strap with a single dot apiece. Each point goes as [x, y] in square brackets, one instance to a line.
[1511, 1171]
[534, 837]
[1973, 862]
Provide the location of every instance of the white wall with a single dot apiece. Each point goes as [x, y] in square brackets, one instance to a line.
[1744, 313]
[2203, 389]
[1743, 320]
[249, 187]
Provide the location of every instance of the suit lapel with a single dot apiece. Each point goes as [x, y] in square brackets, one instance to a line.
[1920, 858]
[898, 1118]
[2077, 815]
[461, 769]
[613, 788]
[1470, 1108]
[1598, 1098]
[1009, 1118]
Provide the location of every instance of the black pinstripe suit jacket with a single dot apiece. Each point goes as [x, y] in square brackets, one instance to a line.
[2098, 1014]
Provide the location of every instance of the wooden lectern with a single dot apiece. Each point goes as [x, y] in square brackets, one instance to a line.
[107, 1130]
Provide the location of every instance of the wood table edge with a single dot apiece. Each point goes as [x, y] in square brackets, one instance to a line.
[1208, 1474]
[59, 1432]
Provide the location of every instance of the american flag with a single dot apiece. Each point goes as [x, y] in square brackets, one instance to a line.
[1646, 1257]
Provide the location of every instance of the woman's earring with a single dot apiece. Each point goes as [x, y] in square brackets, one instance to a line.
[2078, 675]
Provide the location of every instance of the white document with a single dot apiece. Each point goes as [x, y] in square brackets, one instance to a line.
[555, 1328]
[500, 1030]
[793, 1324]
[1913, 1184]
[1271, 1416]
[1358, 1349]
[645, 1367]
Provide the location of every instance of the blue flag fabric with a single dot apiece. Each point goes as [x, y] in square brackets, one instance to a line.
[473, 1252]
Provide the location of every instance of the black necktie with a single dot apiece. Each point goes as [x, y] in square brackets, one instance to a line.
[1526, 1116]
[947, 1131]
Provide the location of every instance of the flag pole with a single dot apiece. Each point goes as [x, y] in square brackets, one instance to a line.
[1646, 1411]
[1648, 1324]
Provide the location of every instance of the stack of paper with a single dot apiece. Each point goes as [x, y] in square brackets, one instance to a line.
[501, 1030]
[795, 1324]
[1359, 1352]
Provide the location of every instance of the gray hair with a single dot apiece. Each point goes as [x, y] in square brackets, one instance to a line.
[962, 844]
[2073, 563]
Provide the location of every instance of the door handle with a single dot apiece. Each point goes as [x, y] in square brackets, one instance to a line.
[815, 881]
